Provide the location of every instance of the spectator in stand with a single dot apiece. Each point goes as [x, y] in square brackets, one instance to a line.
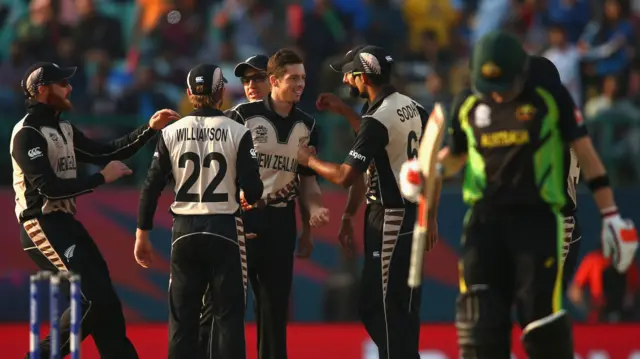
[437, 16]
[606, 45]
[611, 294]
[566, 57]
[603, 101]
[572, 15]
[96, 34]
[40, 31]
[11, 72]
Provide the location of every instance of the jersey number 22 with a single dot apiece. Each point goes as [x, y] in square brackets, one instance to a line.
[183, 194]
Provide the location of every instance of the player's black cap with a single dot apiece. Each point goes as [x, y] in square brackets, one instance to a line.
[205, 79]
[348, 57]
[44, 73]
[498, 61]
[370, 60]
[258, 62]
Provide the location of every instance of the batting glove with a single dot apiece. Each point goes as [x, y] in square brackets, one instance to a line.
[619, 239]
[411, 180]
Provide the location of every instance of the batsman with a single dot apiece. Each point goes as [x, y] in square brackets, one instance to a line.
[512, 135]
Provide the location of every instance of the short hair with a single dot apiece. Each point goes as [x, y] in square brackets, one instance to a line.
[278, 62]
[379, 80]
[206, 101]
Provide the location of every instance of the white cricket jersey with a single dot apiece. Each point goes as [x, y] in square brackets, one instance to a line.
[389, 135]
[209, 156]
[276, 140]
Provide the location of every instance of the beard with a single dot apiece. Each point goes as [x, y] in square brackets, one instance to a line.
[58, 102]
[363, 95]
[353, 92]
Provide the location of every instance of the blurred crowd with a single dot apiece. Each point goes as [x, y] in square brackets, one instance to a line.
[133, 54]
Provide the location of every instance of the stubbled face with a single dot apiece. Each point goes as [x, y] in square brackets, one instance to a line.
[255, 83]
[348, 80]
[291, 85]
[57, 95]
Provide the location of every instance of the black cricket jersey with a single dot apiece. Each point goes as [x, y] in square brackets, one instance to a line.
[389, 135]
[45, 151]
[276, 140]
[210, 158]
[518, 152]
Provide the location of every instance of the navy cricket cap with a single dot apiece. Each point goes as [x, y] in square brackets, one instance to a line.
[44, 73]
[498, 61]
[370, 60]
[205, 79]
[258, 62]
[348, 57]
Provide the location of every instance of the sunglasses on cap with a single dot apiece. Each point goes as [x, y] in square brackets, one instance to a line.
[255, 78]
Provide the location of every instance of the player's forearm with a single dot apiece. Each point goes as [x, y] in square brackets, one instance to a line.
[593, 168]
[332, 172]
[310, 193]
[451, 163]
[356, 196]
[352, 117]
[304, 214]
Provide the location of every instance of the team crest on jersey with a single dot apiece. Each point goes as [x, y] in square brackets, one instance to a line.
[482, 116]
[490, 70]
[260, 134]
[56, 140]
[525, 112]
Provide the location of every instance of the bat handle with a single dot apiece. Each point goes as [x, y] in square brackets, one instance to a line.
[417, 254]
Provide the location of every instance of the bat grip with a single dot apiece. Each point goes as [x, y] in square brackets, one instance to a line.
[417, 254]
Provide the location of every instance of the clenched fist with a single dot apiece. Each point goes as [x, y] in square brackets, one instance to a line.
[115, 170]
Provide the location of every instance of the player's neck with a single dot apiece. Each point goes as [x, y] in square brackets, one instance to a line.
[373, 93]
[281, 107]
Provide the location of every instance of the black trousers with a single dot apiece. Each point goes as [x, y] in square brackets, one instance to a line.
[389, 309]
[572, 242]
[511, 256]
[270, 269]
[207, 256]
[58, 242]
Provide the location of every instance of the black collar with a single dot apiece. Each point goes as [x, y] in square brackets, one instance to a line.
[268, 103]
[43, 111]
[385, 91]
[206, 112]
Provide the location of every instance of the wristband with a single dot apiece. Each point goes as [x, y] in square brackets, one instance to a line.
[598, 183]
[346, 216]
[609, 211]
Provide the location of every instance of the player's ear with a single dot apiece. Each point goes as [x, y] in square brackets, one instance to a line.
[273, 80]
[43, 90]
[365, 79]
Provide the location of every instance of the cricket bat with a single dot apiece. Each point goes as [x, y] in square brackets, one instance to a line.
[428, 158]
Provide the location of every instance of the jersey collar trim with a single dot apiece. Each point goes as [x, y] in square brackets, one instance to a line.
[268, 103]
[206, 112]
[44, 112]
[385, 92]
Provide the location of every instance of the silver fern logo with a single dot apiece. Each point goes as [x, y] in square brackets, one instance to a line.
[370, 63]
[34, 80]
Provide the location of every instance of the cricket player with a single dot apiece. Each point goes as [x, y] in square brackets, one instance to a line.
[542, 72]
[512, 134]
[388, 135]
[278, 128]
[211, 158]
[45, 150]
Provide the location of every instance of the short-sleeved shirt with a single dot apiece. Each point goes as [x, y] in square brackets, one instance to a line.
[517, 151]
[276, 140]
[389, 135]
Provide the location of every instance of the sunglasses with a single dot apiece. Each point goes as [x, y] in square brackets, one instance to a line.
[255, 78]
[356, 73]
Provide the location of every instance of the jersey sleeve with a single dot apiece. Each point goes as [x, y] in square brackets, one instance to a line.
[248, 169]
[457, 137]
[235, 114]
[424, 116]
[157, 178]
[571, 123]
[29, 151]
[90, 151]
[313, 141]
[372, 138]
